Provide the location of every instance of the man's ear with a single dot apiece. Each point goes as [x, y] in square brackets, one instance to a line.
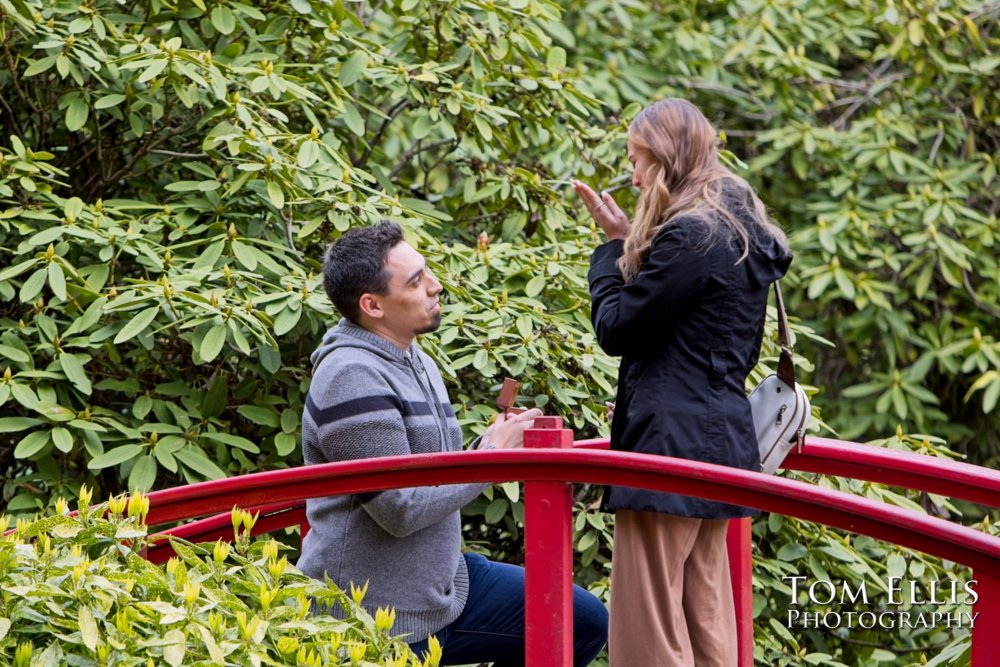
[371, 306]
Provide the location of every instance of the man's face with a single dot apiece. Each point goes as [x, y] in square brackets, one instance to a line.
[411, 306]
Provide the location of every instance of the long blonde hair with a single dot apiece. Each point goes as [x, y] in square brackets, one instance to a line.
[685, 177]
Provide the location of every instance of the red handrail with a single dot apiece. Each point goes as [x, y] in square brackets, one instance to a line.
[840, 458]
[952, 479]
[657, 473]
[860, 515]
[933, 474]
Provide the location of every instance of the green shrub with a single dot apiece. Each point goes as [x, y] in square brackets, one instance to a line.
[76, 591]
[171, 171]
[170, 175]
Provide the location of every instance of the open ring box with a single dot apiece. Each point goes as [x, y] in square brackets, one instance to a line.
[507, 396]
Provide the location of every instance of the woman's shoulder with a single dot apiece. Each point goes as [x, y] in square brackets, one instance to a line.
[688, 231]
[684, 227]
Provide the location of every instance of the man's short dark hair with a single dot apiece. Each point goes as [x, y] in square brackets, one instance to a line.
[355, 264]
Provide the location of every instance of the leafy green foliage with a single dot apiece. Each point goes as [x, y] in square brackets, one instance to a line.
[78, 592]
[161, 296]
[871, 132]
[171, 172]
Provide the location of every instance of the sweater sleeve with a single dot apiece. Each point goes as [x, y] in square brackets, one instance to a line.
[362, 417]
[672, 276]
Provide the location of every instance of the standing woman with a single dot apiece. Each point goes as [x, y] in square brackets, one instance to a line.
[680, 295]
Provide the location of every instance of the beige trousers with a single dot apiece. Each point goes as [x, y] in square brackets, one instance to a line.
[671, 593]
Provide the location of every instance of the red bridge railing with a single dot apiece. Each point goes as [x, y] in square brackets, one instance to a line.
[547, 475]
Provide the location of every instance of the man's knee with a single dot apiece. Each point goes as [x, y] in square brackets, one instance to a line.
[590, 620]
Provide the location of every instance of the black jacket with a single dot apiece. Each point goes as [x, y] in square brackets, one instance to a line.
[689, 330]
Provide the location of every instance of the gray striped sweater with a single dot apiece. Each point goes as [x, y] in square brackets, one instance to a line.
[369, 398]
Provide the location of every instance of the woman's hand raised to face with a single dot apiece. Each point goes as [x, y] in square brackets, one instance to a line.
[604, 210]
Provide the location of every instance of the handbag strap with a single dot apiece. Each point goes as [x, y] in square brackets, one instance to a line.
[786, 369]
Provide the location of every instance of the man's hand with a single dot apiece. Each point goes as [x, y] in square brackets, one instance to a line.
[507, 432]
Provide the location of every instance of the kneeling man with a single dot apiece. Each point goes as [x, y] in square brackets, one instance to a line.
[375, 393]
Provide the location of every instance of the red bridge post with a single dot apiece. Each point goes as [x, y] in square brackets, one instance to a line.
[548, 559]
[741, 572]
[986, 612]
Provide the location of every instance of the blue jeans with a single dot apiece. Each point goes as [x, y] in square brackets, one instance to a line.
[491, 627]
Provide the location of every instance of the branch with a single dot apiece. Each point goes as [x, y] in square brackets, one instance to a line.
[894, 649]
[872, 81]
[200, 156]
[13, 76]
[743, 133]
[98, 140]
[13, 119]
[413, 150]
[936, 146]
[485, 216]
[288, 234]
[734, 92]
[85, 156]
[396, 110]
[982, 11]
[371, 17]
[150, 144]
[985, 307]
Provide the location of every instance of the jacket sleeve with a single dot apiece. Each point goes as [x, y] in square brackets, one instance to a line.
[362, 418]
[674, 274]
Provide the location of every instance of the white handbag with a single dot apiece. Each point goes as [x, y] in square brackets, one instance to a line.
[779, 405]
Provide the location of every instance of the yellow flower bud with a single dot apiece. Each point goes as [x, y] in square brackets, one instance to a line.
[433, 656]
[116, 505]
[266, 596]
[221, 551]
[356, 651]
[247, 628]
[384, 618]
[216, 623]
[358, 594]
[191, 592]
[287, 645]
[85, 496]
[276, 568]
[22, 655]
[138, 506]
